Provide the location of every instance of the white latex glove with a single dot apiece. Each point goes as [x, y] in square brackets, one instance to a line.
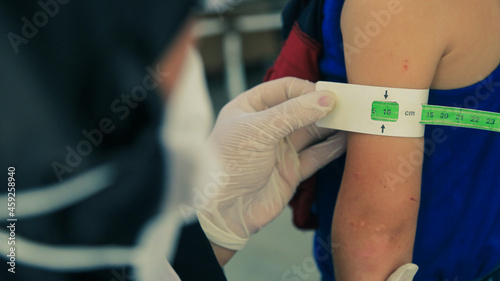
[404, 273]
[267, 144]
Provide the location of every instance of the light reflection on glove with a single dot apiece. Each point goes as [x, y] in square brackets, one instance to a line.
[268, 144]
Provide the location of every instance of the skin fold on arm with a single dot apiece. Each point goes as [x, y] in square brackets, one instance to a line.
[375, 217]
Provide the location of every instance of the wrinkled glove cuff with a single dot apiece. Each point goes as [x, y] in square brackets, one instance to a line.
[218, 236]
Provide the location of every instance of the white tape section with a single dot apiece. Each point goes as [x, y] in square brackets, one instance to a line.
[354, 106]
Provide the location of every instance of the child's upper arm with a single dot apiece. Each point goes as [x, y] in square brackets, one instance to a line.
[394, 44]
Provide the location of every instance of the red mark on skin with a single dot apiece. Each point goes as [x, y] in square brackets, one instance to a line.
[405, 65]
[356, 175]
[413, 199]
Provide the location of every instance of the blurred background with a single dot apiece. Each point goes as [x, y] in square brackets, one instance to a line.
[239, 40]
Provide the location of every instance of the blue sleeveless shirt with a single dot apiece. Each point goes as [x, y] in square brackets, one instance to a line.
[458, 232]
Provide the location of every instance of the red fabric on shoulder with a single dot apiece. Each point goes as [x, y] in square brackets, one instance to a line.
[299, 58]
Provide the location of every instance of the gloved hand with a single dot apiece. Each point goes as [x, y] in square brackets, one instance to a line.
[267, 144]
[404, 273]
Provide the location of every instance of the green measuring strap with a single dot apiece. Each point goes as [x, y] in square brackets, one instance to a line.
[385, 111]
[460, 117]
[388, 111]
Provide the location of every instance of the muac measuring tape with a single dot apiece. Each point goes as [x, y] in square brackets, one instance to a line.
[396, 112]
